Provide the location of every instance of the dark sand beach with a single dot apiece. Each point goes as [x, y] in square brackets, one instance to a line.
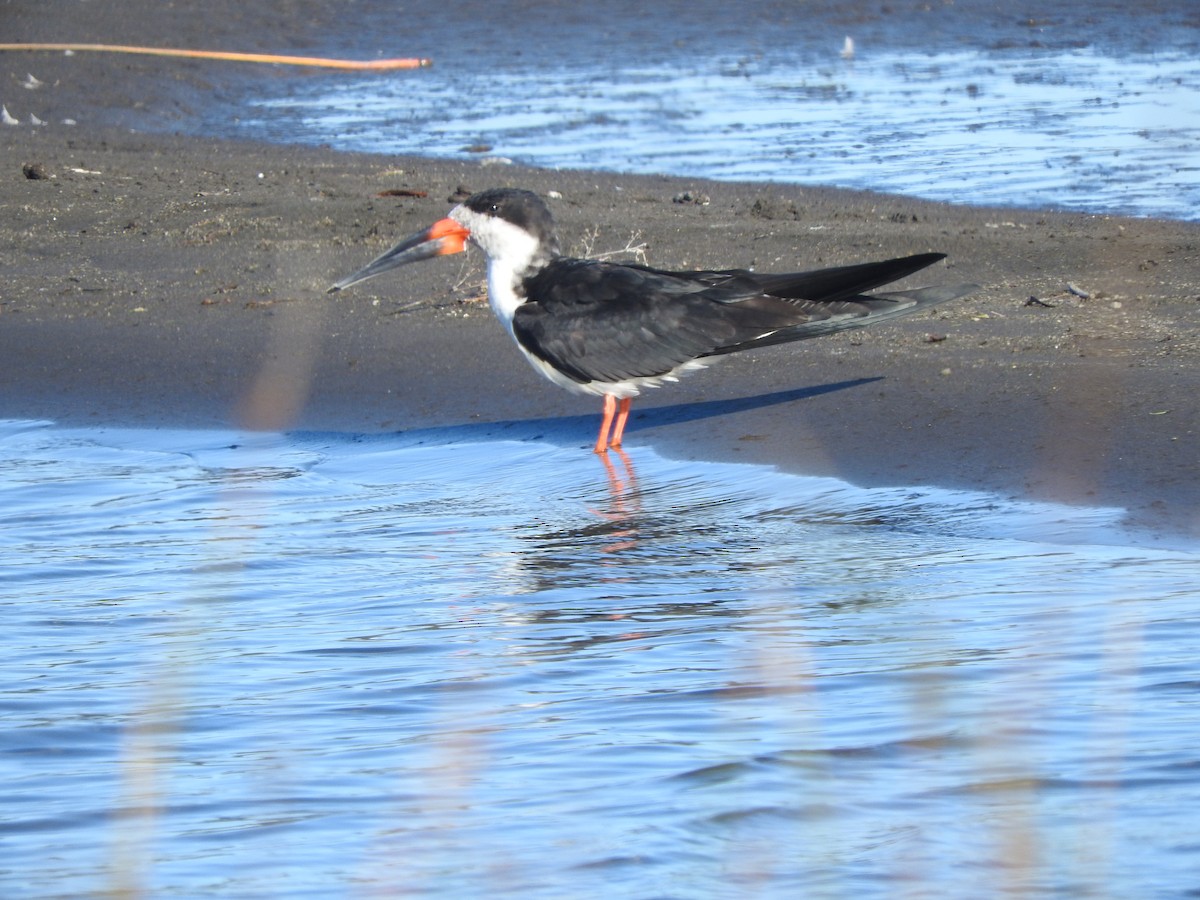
[160, 278]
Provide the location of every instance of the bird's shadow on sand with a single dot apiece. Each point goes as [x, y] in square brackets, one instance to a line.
[569, 430]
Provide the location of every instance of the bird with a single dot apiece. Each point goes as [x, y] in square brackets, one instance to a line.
[612, 329]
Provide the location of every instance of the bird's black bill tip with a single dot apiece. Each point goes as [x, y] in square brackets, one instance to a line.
[444, 237]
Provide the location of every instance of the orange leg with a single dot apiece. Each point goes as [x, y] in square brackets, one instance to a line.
[619, 429]
[610, 409]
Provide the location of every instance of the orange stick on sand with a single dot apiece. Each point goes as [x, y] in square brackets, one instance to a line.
[373, 64]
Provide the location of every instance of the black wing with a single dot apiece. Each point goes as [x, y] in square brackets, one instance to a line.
[831, 300]
[597, 321]
[860, 312]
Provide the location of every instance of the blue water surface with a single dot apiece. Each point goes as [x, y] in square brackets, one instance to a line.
[1084, 129]
[317, 665]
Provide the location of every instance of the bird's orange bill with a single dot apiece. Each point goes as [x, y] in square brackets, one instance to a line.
[442, 238]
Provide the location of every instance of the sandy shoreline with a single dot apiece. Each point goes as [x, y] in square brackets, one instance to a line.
[172, 280]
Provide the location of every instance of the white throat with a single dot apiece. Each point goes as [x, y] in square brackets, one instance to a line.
[512, 253]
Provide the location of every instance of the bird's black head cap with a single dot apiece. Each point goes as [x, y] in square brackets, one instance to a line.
[524, 209]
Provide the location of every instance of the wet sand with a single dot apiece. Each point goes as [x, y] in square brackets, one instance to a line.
[167, 279]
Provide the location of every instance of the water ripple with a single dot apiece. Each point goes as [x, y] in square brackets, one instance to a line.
[238, 661]
[1075, 129]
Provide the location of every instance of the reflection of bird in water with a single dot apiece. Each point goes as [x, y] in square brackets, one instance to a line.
[611, 330]
[625, 501]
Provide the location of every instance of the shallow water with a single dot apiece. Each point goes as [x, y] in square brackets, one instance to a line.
[1082, 129]
[337, 665]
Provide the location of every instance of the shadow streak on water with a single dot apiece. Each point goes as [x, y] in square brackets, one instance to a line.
[571, 430]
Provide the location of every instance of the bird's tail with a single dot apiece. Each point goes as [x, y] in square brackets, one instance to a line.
[861, 312]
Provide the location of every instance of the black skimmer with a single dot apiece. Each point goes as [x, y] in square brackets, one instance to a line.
[609, 329]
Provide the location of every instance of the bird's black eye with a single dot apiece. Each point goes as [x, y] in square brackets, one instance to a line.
[495, 207]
